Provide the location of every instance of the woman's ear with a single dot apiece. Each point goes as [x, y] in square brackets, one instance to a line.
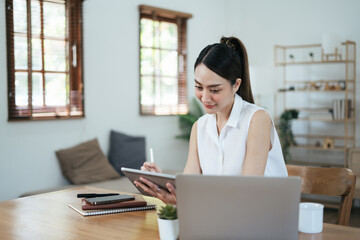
[237, 84]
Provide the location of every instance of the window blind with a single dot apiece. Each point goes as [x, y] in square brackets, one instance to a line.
[44, 53]
[153, 83]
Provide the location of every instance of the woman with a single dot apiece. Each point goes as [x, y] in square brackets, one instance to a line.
[235, 137]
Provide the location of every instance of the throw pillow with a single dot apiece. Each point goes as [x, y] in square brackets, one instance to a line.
[85, 163]
[126, 151]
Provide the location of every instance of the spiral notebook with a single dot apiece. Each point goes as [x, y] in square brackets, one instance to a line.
[78, 209]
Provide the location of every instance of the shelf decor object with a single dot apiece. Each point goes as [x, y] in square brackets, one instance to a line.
[328, 143]
[321, 86]
[331, 45]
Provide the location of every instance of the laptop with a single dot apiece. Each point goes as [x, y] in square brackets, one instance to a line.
[238, 207]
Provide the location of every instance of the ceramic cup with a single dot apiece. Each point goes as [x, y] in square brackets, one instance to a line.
[311, 217]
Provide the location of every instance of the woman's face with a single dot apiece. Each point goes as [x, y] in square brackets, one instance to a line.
[215, 92]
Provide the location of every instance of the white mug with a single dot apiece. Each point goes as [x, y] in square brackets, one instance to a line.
[311, 217]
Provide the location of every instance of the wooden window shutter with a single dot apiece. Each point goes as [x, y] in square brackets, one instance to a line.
[159, 16]
[44, 55]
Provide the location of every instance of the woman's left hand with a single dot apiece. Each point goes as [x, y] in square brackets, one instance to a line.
[156, 191]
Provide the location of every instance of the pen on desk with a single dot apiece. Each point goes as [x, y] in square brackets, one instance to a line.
[151, 155]
[89, 195]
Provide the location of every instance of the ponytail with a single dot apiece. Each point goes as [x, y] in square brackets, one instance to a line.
[229, 60]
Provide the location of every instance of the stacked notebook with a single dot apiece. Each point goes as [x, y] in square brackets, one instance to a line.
[86, 209]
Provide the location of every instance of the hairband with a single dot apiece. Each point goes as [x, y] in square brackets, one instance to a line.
[230, 44]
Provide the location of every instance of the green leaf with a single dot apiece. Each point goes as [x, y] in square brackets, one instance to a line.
[285, 131]
[168, 212]
[186, 121]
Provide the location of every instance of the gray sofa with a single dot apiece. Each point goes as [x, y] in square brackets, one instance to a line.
[121, 184]
[86, 165]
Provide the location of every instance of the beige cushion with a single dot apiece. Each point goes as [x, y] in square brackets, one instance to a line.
[85, 163]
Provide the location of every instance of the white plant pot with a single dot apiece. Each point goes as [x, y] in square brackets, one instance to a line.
[168, 229]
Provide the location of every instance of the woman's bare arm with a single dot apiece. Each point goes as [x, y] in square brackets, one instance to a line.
[258, 144]
[193, 164]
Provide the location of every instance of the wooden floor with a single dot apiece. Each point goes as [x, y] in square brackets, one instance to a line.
[330, 216]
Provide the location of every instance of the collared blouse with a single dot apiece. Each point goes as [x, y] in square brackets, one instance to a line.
[224, 154]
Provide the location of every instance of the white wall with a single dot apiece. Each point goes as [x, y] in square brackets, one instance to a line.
[111, 79]
[262, 24]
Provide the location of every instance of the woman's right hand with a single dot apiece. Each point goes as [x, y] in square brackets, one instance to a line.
[150, 167]
[153, 189]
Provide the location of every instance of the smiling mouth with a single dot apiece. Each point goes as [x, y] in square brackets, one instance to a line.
[209, 106]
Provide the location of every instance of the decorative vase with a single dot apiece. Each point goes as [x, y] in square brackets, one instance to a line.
[168, 229]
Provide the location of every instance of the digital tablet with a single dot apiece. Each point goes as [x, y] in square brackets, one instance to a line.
[159, 179]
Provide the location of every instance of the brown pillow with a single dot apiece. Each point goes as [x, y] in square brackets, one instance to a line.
[85, 163]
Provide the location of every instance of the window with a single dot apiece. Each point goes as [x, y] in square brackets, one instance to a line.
[44, 47]
[162, 61]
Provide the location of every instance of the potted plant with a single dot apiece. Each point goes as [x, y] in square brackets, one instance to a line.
[285, 132]
[168, 222]
[292, 58]
[186, 121]
[311, 54]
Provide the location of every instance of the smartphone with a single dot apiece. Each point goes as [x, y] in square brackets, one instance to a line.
[109, 199]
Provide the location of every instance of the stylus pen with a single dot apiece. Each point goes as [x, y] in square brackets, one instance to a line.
[89, 195]
[151, 155]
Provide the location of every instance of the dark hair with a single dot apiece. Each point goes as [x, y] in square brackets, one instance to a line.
[229, 60]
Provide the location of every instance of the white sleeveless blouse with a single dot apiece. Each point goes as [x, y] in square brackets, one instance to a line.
[224, 154]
